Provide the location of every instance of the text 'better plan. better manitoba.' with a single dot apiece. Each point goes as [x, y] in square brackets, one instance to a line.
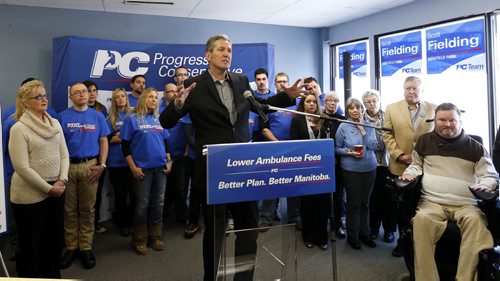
[269, 161]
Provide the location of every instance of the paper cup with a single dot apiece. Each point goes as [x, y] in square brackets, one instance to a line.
[358, 148]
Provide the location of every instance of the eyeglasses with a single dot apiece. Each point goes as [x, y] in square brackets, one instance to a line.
[82, 92]
[182, 74]
[409, 89]
[335, 100]
[39, 97]
[282, 82]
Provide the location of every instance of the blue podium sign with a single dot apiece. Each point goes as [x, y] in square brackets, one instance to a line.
[265, 170]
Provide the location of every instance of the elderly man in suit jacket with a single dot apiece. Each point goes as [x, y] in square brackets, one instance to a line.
[219, 113]
[408, 120]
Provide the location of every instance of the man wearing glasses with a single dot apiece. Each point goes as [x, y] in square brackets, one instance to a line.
[193, 210]
[278, 129]
[261, 77]
[177, 180]
[181, 74]
[312, 85]
[85, 131]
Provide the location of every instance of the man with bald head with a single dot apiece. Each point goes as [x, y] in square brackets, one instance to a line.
[178, 179]
[85, 131]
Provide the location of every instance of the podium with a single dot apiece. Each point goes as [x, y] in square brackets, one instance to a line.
[276, 257]
[257, 171]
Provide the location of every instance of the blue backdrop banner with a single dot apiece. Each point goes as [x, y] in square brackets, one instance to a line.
[111, 64]
[256, 171]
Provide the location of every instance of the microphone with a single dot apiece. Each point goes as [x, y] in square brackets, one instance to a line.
[255, 105]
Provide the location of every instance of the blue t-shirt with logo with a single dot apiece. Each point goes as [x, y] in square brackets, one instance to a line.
[147, 140]
[280, 122]
[115, 156]
[82, 130]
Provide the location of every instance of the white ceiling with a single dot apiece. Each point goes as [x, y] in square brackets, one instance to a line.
[302, 13]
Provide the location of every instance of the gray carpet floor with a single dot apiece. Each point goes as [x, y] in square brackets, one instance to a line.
[182, 259]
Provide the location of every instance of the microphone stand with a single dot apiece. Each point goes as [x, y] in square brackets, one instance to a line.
[325, 117]
[331, 216]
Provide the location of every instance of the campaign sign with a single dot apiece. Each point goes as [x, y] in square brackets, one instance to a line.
[265, 170]
[401, 53]
[456, 46]
[358, 59]
[111, 64]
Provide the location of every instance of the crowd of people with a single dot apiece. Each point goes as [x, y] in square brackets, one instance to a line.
[152, 149]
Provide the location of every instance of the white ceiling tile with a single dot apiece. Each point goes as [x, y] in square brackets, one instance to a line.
[303, 13]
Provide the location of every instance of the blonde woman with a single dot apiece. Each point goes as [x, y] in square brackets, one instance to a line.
[41, 165]
[119, 172]
[143, 144]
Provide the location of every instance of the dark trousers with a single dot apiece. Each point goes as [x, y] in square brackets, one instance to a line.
[122, 181]
[338, 201]
[245, 216]
[382, 204]
[40, 229]
[403, 214]
[177, 187]
[358, 186]
[315, 210]
[195, 196]
[293, 209]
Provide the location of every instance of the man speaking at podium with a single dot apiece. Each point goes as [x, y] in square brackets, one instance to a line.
[219, 113]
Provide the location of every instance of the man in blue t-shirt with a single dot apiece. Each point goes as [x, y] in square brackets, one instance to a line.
[193, 212]
[262, 81]
[313, 85]
[278, 129]
[85, 131]
[138, 84]
[178, 179]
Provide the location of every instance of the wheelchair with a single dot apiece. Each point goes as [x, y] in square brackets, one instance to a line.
[447, 251]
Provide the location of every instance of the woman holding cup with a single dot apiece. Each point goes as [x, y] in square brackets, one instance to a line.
[355, 144]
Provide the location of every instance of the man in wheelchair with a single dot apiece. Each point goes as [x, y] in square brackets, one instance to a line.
[449, 162]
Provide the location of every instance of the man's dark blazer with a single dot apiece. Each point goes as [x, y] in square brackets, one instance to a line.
[209, 115]
[212, 125]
